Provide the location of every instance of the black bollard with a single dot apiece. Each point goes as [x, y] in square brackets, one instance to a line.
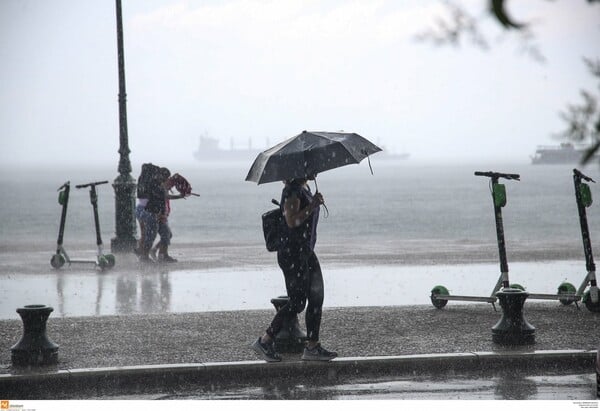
[290, 339]
[34, 347]
[512, 329]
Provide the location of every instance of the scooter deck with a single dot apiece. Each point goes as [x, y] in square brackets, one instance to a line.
[562, 297]
[82, 261]
[464, 298]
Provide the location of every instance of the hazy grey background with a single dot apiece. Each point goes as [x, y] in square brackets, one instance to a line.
[269, 69]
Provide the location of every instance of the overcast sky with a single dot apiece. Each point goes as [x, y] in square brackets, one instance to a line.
[245, 69]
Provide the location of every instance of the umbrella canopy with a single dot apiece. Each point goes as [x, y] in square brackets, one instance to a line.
[309, 153]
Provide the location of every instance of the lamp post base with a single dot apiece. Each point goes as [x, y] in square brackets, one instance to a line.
[123, 245]
[125, 241]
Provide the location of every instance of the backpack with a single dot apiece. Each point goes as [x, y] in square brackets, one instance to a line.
[147, 178]
[273, 226]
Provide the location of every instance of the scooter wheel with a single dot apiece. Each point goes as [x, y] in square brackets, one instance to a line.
[566, 288]
[591, 306]
[439, 290]
[110, 259]
[57, 261]
[517, 286]
[102, 262]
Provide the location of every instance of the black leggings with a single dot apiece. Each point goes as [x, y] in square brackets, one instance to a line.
[303, 281]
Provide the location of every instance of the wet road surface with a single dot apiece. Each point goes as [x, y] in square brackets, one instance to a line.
[571, 387]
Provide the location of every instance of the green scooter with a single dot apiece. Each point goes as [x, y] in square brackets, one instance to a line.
[440, 294]
[103, 261]
[567, 293]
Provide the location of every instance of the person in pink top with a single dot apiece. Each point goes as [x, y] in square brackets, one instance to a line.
[160, 252]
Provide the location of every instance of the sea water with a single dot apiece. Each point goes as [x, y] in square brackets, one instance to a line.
[400, 201]
[426, 205]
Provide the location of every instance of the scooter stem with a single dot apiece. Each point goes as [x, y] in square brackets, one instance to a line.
[63, 216]
[494, 176]
[501, 241]
[585, 232]
[94, 201]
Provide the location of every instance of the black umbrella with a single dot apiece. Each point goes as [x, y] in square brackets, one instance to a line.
[309, 153]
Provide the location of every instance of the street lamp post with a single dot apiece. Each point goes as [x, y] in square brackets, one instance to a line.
[124, 185]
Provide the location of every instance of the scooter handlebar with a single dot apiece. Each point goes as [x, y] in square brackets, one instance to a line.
[65, 185]
[581, 175]
[97, 183]
[493, 174]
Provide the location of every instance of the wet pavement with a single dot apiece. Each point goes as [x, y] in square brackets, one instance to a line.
[481, 387]
[130, 288]
[452, 377]
[200, 355]
[138, 327]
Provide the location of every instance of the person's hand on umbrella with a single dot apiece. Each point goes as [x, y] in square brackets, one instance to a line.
[317, 201]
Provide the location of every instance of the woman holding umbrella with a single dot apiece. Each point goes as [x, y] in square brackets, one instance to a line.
[295, 161]
[302, 272]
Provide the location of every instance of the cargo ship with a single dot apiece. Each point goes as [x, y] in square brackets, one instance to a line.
[565, 153]
[209, 151]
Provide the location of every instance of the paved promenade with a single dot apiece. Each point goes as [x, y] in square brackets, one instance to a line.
[110, 354]
[369, 340]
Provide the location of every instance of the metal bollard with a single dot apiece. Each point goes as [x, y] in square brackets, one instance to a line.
[291, 339]
[34, 347]
[513, 329]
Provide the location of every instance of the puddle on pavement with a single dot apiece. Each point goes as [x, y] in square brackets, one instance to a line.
[76, 293]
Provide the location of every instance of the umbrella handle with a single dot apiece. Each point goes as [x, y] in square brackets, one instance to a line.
[326, 210]
[369, 161]
[316, 191]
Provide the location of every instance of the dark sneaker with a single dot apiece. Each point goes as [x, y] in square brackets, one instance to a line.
[318, 354]
[166, 259]
[266, 351]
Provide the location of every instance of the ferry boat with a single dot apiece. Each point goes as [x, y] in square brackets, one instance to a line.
[566, 153]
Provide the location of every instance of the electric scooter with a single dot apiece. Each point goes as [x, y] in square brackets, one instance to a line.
[567, 293]
[60, 257]
[103, 261]
[439, 294]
